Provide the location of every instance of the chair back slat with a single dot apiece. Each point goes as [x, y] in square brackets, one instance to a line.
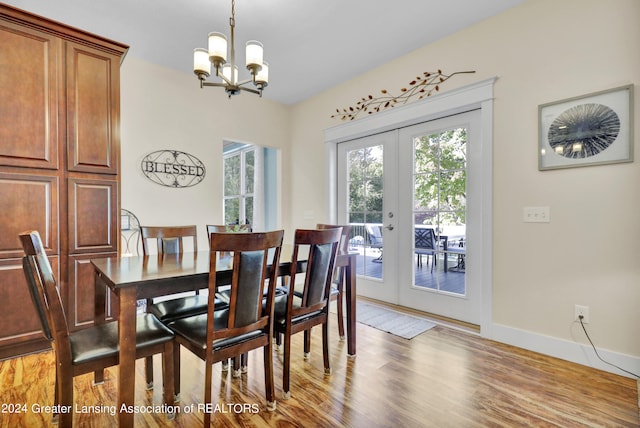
[168, 239]
[249, 288]
[318, 273]
[322, 246]
[37, 295]
[228, 228]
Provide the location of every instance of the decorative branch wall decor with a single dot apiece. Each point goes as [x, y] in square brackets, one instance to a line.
[421, 86]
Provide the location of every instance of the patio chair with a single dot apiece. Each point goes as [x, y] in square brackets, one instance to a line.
[425, 245]
[375, 239]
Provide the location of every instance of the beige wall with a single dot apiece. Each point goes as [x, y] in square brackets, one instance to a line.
[541, 51]
[164, 109]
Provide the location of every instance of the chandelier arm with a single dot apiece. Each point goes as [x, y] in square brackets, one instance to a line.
[244, 82]
[253, 91]
[218, 84]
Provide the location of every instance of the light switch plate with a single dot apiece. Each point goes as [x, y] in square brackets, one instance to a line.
[536, 215]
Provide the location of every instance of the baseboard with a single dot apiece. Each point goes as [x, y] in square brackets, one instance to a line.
[566, 350]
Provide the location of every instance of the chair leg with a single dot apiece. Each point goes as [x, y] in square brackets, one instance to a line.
[269, 386]
[278, 337]
[325, 346]
[148, 370]
[56, 397]
[167, 377]
[286, 368]
[340, 320]
[65, 394]
[244, 362]
[176, 371]
[307, 344]
[208, 373]
[236, 365]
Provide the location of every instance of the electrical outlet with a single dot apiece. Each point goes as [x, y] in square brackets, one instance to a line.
[536, 215]
[581, 310]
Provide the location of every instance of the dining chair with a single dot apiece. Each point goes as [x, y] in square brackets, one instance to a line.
[170, 240]
[221, 334]
[302, 312]
[239, 363]
[228, 228]
[337, 284]
[425, 244]
[90, 349]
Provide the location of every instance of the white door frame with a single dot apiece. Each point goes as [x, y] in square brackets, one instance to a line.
[475, 96]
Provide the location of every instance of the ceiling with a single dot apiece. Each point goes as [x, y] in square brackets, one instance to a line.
[311, 45]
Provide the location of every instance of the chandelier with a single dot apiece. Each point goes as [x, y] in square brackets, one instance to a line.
[216, 55]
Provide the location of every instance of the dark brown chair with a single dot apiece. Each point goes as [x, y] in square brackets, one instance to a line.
[221, 334]
[228, 228]
[302, 312]
[337, 285]
[239, 363]
[170, 240]
[90, 349]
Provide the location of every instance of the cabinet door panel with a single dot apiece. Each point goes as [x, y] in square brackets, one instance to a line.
[93, 207]
[19, 322]
[29, 66]
[33, 205]
[81, 292]
[93, 110]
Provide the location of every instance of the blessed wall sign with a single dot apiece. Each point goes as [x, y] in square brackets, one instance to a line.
[173, 168]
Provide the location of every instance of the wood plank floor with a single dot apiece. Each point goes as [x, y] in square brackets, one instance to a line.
[442, 378]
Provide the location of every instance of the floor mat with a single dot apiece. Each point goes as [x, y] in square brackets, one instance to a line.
[393, 322]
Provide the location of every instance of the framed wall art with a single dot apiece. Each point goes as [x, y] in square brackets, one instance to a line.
[593, 129]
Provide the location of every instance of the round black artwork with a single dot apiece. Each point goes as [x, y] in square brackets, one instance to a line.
[583, 131]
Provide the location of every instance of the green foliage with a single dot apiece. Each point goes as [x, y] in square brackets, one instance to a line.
[440, 177]
[440, 180]
[365, 185]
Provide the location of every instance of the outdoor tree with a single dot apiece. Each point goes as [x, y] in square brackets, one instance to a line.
[440, 177]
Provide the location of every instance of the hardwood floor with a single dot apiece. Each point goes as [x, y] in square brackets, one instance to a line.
[442, 378]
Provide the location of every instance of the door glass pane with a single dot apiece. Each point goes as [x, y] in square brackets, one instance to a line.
[231, 210]
[439, 204]
[249, 170]
[365, 184]
[232, 175]
[248, 210]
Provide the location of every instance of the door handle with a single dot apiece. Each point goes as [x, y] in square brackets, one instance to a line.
[389, 227]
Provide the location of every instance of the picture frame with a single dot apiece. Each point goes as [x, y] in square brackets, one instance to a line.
[592, 129]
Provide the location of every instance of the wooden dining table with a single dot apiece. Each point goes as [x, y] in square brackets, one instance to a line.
[141, 277]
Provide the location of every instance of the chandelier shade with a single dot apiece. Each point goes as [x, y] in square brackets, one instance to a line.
[222, 57]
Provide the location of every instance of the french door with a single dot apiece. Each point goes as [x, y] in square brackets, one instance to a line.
[415, 186]
[367, 200]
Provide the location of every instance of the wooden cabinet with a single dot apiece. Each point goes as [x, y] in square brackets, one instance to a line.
[59, 164]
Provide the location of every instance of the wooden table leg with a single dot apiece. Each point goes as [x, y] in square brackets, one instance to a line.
[126, 370]
[350, 286]
[99, 316]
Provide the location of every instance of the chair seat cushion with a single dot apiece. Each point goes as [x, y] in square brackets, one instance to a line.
[194, 330]
[425, 251]
[101, 341]
[169, 310]
[280, 310]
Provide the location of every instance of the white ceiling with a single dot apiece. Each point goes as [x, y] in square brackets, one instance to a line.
[311, 45]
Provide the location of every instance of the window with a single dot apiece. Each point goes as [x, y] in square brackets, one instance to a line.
[239, 185]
